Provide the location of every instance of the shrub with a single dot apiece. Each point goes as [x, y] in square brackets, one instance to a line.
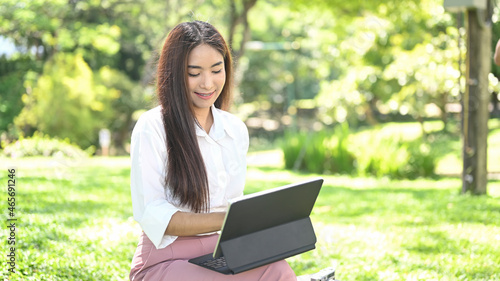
[422, 161]
[293, 149]
[318, 152]
[342, 158]
[394, 157]
[41, 145]
[365, 154]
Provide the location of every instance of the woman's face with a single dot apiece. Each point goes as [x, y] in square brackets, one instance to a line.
[206, 76]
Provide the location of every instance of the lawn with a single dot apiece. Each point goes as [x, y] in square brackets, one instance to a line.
[75, 223]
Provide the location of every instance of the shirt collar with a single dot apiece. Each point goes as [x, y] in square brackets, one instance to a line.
[219, 127]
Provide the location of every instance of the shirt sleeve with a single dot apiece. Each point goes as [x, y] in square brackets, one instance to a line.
[151, 208]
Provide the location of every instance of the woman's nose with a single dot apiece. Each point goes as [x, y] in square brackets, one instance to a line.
[206, 82]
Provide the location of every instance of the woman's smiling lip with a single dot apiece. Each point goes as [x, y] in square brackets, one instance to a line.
[205, 95]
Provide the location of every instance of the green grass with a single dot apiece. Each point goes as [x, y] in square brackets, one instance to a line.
[74, 223]
[74, 219]
[399, 230]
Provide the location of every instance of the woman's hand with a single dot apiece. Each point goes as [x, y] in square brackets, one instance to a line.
[189, 224]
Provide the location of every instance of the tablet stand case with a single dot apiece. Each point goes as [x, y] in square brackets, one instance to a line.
[268, 245]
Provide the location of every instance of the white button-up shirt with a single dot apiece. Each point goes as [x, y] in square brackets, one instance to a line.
[224, 152]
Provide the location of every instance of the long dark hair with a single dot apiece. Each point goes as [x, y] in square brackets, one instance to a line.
[186, 176]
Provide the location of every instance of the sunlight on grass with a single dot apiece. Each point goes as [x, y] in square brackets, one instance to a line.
[74, 219]
[76, 223]
[382, 229]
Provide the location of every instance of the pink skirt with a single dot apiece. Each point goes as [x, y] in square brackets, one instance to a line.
[171, 263]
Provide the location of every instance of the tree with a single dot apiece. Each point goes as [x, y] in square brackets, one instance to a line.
[476, 101]
[416, 71]
[12, 71]
[48, 33]
[381, 50]
[239, 17]
[64, 102]
[116, 35]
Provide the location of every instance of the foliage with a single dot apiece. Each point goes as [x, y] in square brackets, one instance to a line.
[43, 145]
[386, 55]
[10, 99]
[126, 98]
[373, 230]
[91, 35]
[115, 37]
[365, 153]
[419, 84]
[65, 102]
[304, 151]
[286, 59]
[394, 157]
[12, 71]
[318, 152]
[360, 62]
[341, 159]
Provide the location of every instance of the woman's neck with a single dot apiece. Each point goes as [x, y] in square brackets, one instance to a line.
[205, 119]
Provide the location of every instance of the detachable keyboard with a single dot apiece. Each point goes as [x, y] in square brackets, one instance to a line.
[215, 263]
[208, 261]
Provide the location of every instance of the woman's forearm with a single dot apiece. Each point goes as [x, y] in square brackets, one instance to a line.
[189, 224]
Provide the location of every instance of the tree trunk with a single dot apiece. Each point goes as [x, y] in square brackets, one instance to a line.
[475, 103]
[237, 18]
[442, 106]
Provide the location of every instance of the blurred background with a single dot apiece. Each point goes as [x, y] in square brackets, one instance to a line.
[376, 86]
[366, 94]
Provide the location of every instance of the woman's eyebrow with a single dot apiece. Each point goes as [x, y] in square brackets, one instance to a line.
[199, 67]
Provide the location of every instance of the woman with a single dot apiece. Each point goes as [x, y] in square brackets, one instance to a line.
[188, 159]
[496, 55]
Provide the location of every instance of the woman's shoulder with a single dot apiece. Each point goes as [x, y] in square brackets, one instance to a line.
[150, 120]
[233, 125]
[230, 119]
